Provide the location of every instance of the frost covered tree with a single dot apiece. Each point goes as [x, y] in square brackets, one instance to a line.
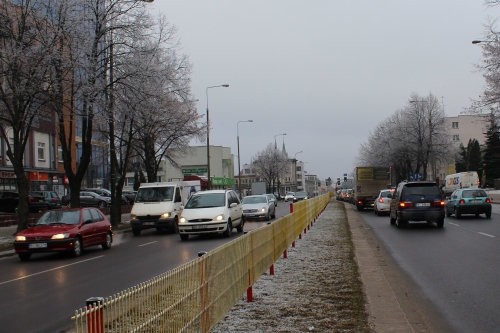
[270, 164]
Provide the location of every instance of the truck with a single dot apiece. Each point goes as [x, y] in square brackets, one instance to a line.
[159, 205]
[259, 188]
[468, 179]
[368, 181]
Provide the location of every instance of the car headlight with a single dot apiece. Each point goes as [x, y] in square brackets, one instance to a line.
[20, 238]
[133, 216]
[165, 215]
[60, 236]
[219, 217]
[262, 210]
[182, 220]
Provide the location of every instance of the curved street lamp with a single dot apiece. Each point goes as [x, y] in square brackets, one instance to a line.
[238, 137]
[208, 136]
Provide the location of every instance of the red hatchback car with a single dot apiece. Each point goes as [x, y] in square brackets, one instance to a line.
[69, 230]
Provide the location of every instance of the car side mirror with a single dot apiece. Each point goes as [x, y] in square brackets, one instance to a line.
[234, 204]
[87, 221]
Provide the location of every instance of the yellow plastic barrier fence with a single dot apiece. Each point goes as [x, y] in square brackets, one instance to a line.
[195, 296]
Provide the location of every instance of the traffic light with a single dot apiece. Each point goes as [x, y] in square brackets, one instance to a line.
[345, 178]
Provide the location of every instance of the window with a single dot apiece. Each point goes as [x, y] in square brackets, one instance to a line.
[41, 151]
[299, 168]
[59, 154]
[87, 216]
[456, 137]
[454, 124]
[247, 171]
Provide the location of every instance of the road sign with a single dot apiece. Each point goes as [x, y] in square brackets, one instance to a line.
[415, 176]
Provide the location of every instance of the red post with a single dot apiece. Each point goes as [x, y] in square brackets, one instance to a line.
[300, 236]
[249, 295]
[309, 227]
[96, 316]
[291, 208]
[305, 230]
[293, 244]
[271, 270]
[285, 255]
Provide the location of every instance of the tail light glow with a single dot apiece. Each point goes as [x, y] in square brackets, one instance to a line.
[488, 200]
[380, 200]
[461, 202]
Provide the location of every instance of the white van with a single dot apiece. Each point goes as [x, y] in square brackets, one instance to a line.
[468, 179]
[158, 205]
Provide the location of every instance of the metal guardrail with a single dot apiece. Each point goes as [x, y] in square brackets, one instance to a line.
[196, 295]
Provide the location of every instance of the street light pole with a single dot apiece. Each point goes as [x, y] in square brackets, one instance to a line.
[276, 147]
[208, 136]
[238, 139]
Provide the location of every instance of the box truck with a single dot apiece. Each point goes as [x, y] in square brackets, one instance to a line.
[468, 179]
[368, 181]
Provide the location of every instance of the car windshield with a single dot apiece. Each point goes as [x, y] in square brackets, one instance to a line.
[206, 200]
[289, 193]
[473, 193]
[155, 194]
[253, 200]
[421, 190]
[301, 194]
[384, 194]
[60, 217]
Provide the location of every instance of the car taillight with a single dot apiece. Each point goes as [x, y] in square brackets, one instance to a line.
[53, 200]
[438, 203]
[488, 200]
[360, 202]
[461, 201]
[380, 200]
[405, 204]
[32, 200]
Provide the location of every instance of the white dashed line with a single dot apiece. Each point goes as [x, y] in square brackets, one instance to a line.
[147, 244]
[453, 224]
[482, 233]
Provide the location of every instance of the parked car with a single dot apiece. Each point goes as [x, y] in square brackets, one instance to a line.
[383, 202]
[130, 196]
[273, 199]
[468, 201]
[211, 211]
[289, 196]
[417, 201]
[257, 207]
[69, 230]
[88, 199]
[349, 195]
[106, 193]
[9, 202]
[52, 199]
[301, 195]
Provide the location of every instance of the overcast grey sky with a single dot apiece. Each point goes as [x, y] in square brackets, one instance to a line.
[325, 72]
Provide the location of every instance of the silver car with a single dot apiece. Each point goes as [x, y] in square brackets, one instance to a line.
[272, 197]
[289, 196]
[257, 207]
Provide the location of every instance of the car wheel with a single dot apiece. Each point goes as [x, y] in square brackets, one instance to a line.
[184, 236]
[77, 247]
[101, 204]
[68, 204]
[440, 222]
[175, 228]
[400, 223]
[360, 208]
[229, 229]
[393, 220]
[24, 256]
[274, 214]
[448, 214]
[488, 215]
[268, 217]
[109, 239]
[240, 227]
[136, 231]
[457, 213]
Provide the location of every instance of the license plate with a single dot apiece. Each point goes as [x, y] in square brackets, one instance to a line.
[37, 245]
[423, 204]
[199, 227]
[475, 201]
[41, 200]
[148, 223]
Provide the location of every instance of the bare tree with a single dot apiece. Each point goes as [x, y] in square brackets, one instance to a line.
[270, 164]
[27, 44]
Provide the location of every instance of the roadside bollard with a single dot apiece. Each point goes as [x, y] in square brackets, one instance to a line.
[271, 270]
[249, 290]
[285, 255]
[291, 208]
[293, 243]
[202, 253]
[95, 316]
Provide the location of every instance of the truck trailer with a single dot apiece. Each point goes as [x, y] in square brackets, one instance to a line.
[368, 181]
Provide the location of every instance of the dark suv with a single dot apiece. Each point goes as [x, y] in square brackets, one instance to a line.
[417, 201]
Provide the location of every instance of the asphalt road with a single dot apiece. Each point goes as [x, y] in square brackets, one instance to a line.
[41, 295]
[457, 267]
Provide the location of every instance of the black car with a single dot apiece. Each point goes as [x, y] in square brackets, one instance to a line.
[9, 201]
[130, 195]
[88, 199]
[417, 201]
[52, 199]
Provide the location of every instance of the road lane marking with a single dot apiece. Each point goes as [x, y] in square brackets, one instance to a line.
[147, 243]
[454, 224]
[482, 233]
[49, 270]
